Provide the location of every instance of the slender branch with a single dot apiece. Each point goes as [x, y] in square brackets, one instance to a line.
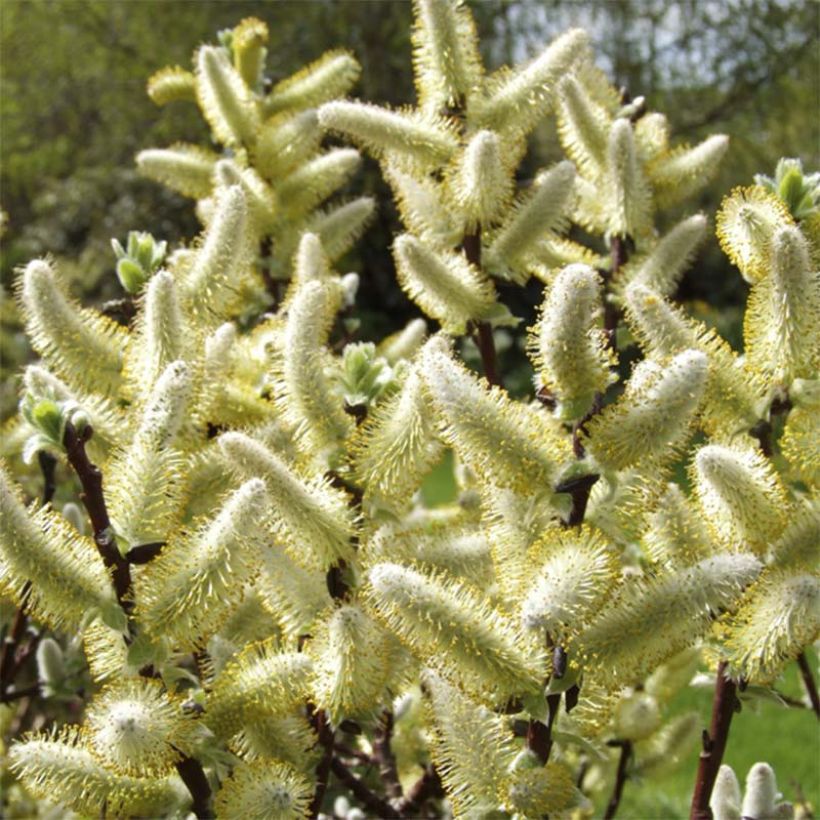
[48, 465]
[714, 743]
[360, 790]
[808, 682]
[322, 726]
[360, 757]
[193, 776]
[619, 254]
[94, 501]
[11, 656]
[427, 787]
[483, 336]
[579, 490]
[539, 735]
[8, 697]
[620, 778]
[383, 754]
[11, 642]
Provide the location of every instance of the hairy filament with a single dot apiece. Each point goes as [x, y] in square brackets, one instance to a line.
[310, 405]
[158, 337]
[662, 269]
[265, 790]
[59, 767]
[471, 746]
[210, 287]
[327, 78]
[68, 336]
[628, 196]
[445, 285]
[170, 84]
[617, 646]
[292, 594]
[520, 98]
[225, 100]
[422, 208]
[569, 351]
[541, 211]
[339, 227]
[352, 664]
[482, 184]
[397, 446]
[135, 728]
[314, 181]
[187, 169]
[781, 328]
[259, 682]
[509, 443]
[427, 140]
[746, 223]
[446, 59]
[741, 496]
[675, 535]
[576, 572]
[448, 625]
[66, 573]
[779, 618]
[405, 343]
[583, 126]
[190, 590]
[285, 142]
[663, 330]
[652, 419]
[312, 518]
[249, 52]
[678, 174]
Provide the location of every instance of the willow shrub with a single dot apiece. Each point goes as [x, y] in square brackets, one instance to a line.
[259, 616]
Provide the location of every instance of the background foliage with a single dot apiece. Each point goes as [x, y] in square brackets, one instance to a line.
[73, 112]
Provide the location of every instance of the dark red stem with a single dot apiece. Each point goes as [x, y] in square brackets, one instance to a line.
[94, 501]
[427, 787]
[808, 682]
[324, 731]
[724, 705]
[359, 789]
[620, 779]
[471, 244]
[383, 753]
[193, 776]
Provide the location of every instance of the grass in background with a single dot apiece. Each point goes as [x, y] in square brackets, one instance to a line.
[786, 738]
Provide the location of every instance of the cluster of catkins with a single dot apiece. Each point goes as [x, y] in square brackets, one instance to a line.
[263, 616]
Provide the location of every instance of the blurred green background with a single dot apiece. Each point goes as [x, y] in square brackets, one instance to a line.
[73, 112]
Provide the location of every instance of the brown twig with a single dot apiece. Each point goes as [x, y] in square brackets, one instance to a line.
[383, 754]
[539, 735]
[8, 664]
[8, 697]
[94, 501]
[324, 731]
[360, 790]
[620, 778]
[427, 787]
[483, 335]
[579, 490]
[193, 776]
[11, 656]
[809, 683]
[714, 743]
[359, 756]
[48, 464]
